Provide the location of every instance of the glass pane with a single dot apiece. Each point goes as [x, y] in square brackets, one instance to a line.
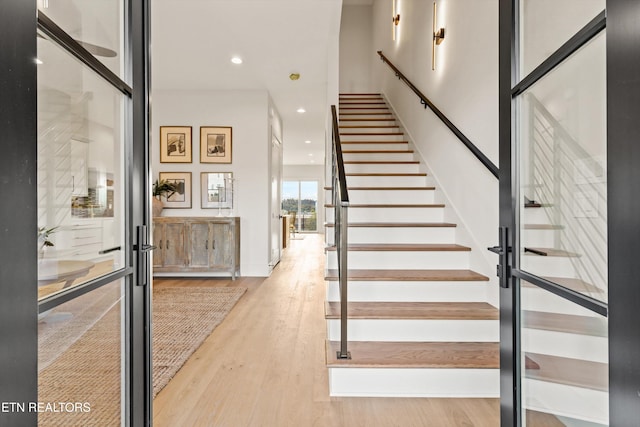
[562, 145]
[97, 25]
[308, 206]
[80, 173]
[564, 362]
[545, 25]
[80, 360]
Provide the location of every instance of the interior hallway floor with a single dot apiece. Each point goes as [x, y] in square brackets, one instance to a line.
[265, 364]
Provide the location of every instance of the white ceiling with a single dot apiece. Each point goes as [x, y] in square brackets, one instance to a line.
[194, 40]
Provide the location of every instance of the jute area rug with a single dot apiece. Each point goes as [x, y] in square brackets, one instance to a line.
[89, 370]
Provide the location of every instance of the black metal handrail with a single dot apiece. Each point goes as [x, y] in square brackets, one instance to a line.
[427, 103]
[340, 197]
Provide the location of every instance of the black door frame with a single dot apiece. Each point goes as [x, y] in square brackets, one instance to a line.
[18, 184]
[623, 177]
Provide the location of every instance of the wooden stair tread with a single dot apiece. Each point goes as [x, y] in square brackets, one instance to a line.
[414, 310]
[365, 114]
[386, 174]
[406, 247]
[433, 205]
[381, 162]
[364, 108]
[568, 323]
[369, 127]
[551, 252]
[377, 151]
[386, 188]
[397, 224]
[367, 120]
[567, 371]
[543, 227]
[542, 419]
[410, 275]
[569, 283]
[370, 133]
[442, 355]
[376, 142]
[358, 94]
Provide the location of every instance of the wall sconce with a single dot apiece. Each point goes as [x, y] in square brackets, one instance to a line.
[438, 37]
[395, 20]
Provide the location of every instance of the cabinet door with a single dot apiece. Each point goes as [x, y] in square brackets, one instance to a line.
[199, 244]
[223, 246]
[174, 255]
[158, 242]
[79, 173]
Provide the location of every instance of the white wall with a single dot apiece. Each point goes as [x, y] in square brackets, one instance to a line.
[464, 86]
[247, 112]
[309, 173]
[356, 49]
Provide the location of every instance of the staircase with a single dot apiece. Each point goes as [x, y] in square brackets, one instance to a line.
[565, 345]
[419, 325]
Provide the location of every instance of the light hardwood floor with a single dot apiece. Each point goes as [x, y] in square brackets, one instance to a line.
[265, 364]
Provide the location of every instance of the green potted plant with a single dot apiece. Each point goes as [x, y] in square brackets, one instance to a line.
[161, 188]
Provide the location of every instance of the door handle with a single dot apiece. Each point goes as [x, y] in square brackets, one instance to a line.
[503, 270]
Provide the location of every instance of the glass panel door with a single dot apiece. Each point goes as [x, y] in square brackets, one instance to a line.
[88, 172]
[560, 255]
[300, 200]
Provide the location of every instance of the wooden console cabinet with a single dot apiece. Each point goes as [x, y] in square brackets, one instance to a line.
[196, 244]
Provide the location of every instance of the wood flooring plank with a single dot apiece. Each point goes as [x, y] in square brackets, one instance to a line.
[441, 355]
[415, 310]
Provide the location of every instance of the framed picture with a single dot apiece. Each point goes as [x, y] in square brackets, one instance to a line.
[215, 144]
[175, 144]
[217, 190]
[181, 199]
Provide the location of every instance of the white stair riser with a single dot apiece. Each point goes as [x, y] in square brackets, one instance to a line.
[387, 181]
[382, 167]
[378, 157]
[388, 196]
[386, 260]
[536, 216]
[550, 266]
[392, 214]
[569, 401]
[397, 235]
[358, 121]
[388, 136]
[538, 238]
[537, 299]
[392, 291]
[419, 382]
[563, 344]
[418, 330]
[404, 146]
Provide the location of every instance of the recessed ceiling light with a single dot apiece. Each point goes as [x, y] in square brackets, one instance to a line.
[301, 110]
[39, 62]
[311, 154]
[307, 142]
[236, 60]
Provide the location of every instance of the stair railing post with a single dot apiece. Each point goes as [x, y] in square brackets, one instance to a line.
[340, 240]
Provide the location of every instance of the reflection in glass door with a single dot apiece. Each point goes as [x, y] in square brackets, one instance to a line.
[300, 200]
[85, 183]
[560, 253]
